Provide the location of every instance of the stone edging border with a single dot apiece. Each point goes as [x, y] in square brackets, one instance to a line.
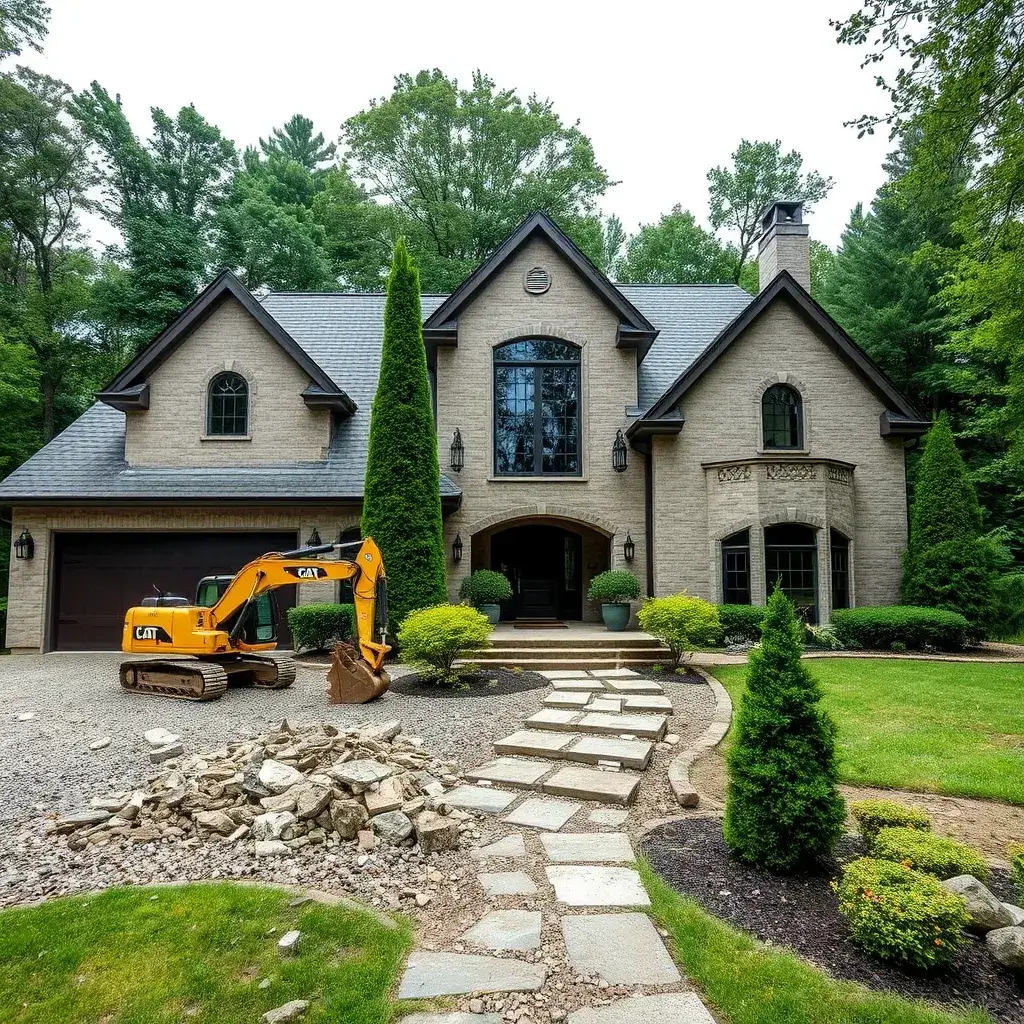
[679, 768]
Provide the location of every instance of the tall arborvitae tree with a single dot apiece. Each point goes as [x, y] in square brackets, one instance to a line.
[783, 810]
[402, 496]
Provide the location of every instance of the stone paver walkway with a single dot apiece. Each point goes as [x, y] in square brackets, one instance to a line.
[590, 743]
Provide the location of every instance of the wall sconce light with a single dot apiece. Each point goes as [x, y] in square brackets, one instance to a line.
[457, 549]
[619, 453]
[314, 539]
[458, 453]
[629, 548]
[24, 546]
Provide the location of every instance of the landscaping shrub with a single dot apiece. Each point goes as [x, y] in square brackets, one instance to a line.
[898, 914]
[682, 622]
[783, 809]
[879, 628]
[1009, 605]
[741, 621]
[485, 586]
[934, 855]
[319, 627]
[823, 637]
[1015, 851]
[402, 502]
[433, 638]
[874, 815]
[614, 586]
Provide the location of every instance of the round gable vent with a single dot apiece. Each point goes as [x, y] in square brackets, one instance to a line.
[537, 281]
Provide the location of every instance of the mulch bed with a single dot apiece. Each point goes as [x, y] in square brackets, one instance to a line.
[488, 682]
[801, 912]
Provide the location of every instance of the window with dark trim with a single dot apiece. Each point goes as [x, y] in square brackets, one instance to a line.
[840, 555]
[736, 568]
[782, 416]
[228, 406]
[791, 560]
[537, 408]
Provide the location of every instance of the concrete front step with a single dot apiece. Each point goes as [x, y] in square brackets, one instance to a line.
[585, 749]
[560, 720]
[573, 639]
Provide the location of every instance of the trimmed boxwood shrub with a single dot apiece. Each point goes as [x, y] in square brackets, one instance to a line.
[741, 621]
[783, 810]
[902, 915]
[319, 627]
[614, 586]
[485, 586]
[432, 639]
[682, 622]
[874, 815]
[934, 855]
[879, 628]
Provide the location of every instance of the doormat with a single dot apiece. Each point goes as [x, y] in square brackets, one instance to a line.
[539, 624]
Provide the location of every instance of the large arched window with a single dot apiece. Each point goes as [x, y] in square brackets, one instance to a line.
[537, 408]
[782, 417]
[228, 406]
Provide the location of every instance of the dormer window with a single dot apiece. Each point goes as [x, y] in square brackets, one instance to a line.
[782, 417]
[228, 406]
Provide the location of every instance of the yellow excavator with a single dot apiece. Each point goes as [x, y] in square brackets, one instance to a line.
[230, 633]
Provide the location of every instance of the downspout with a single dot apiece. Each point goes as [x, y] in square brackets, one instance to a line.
[649, 516]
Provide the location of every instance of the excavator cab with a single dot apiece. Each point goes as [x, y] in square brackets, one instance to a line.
[262, 619]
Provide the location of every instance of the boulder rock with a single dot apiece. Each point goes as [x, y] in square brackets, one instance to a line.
[434, 832]
[160, 737]
[311, 801]
[1015, 912]
[348, 817]
[271, 825]
[360, 774]
[215, 821]
[288, 1012]
[985, 910]
[271, 848]
[1007, 947]
[278, 777]
[392, 827]
[387, 797]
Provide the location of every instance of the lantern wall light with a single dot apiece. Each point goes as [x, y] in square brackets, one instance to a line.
[24, 546]
[314, 539]
[457, 549]
[629, 548]
[458, 452]
[619, 453]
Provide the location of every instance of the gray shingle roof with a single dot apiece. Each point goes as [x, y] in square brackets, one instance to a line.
[342, 332]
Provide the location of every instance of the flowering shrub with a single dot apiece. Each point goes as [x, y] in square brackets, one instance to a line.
[898, 914]
[934, 855]
[873, 815]
[433, 638]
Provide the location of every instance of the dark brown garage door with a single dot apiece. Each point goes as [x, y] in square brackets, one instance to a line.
[99, 575]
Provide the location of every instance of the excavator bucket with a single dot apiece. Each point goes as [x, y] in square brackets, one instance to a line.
[350, 678]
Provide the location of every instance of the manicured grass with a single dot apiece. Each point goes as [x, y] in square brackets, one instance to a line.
[195, 953]
[932, 726]
[752, 984]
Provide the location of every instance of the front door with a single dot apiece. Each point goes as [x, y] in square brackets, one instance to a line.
[543, 565]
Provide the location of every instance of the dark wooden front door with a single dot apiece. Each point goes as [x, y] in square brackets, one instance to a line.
[97, 576]
[543, 565]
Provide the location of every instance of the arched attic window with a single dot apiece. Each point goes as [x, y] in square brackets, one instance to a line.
[228, 406]
[782, 417]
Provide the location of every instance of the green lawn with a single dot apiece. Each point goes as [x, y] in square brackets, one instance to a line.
[751, 984]
[195, 953]
[932, 726]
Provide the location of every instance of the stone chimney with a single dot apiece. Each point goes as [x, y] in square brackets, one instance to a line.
[785, 245]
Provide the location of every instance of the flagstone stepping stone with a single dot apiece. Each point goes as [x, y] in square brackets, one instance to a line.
[677, 1007]
[598, 749]
[431, 974]
[511, 771]
[506, 929]
[588, 847]
[622, 949]
[541, 813]
[592, 784]
[648, 702]
[534, 742]
[567, 699]
[480, 798]
[507, 883]
[633, 686]
[510, 846]
[454, 1017]
[608, 816]
[577, 685]
[564, 673]
[613, 704]
[613, 673]
[551, 718]
[650, 726]
[582, 885]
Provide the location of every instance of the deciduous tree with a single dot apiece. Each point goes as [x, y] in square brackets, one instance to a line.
[677, 250]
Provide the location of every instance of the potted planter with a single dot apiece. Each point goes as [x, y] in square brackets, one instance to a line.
[485, 589]
[614, 588]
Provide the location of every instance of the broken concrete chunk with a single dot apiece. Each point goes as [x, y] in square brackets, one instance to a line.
[288, 1012]
[160, 737]
[288, 944]
[278, 777]
[162, 754]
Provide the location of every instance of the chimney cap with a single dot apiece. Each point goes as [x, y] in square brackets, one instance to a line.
[781, 212]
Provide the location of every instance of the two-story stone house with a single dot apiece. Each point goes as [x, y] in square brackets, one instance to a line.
[707, 439]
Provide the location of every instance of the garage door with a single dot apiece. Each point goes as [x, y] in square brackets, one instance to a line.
[99, 575]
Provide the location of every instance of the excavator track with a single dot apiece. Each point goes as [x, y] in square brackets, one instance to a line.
[278, 674]
[187, 679]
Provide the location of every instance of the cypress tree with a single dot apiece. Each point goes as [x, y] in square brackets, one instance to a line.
[783, 810]
[402, 495]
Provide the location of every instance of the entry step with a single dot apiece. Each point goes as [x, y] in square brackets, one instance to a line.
[599, 722]
[592, 784]
[585, 749]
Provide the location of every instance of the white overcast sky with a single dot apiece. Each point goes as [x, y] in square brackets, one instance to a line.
[664, 90]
